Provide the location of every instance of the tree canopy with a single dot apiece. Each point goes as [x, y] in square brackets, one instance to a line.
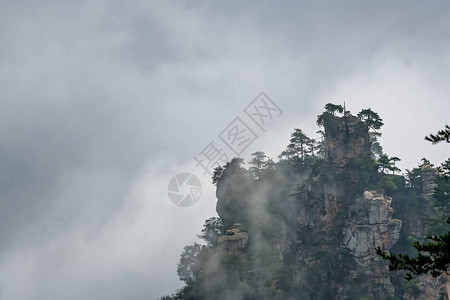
[333, 108]
[370, 118]
[442, 135]
[434, 255]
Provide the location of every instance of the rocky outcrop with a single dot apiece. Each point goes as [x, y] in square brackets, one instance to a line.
[235, 239]
[447, 287]
[309, 228]
[370, 226]
[346, 138]
[331, 204]
[233, 194]
[415, 220]
[332, 230]
[426, 287]
[428, 175]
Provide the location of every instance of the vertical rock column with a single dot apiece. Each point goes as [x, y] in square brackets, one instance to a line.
[370, 226]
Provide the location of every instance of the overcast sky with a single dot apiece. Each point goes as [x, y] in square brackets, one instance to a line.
[102, 102]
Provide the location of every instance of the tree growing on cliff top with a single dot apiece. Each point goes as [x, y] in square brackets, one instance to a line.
[370, 118]
[330, 111]
[234, 164]
[333, 108]
[257, 164]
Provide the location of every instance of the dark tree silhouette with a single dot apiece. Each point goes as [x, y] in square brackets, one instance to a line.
[217, 174]
[370, 118]
[321, 118]
[384, 162]
[333, 108]
[257, 164]
[288, 153]
[442, 135]
[212, 229]
[392, 167]
[300, 142]
[425, 161]
[219, 171]
[187, 267]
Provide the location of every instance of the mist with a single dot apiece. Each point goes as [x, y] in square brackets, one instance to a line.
[102, 103]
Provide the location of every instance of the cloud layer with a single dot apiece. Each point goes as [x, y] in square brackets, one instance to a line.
[103, 102]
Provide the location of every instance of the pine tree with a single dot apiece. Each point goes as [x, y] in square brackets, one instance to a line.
[371, 119]
[333, 108]
[299, 143]
[257, 164]
[442, 135]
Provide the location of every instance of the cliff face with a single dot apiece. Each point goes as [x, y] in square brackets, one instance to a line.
[428, 174]
[307, 226]
[345, 139]
[235, 239]
[313, 235]
[425, 286]
[367, 220]
[369, 227]
[329, 220]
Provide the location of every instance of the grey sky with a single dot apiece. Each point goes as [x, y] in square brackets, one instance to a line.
[102, 102]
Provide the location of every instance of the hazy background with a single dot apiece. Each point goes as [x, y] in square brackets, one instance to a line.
[102, 102]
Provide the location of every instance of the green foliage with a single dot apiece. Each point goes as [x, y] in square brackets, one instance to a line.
[388, 184]
[433, 257]
[414, 179]
[362, 175]
[440, 206]
[233, 166]
[293, 252]
[426, 162]
[212, 229]
[442, 135]
[333, 108]
[217, 174]
[412, 240]
[384, 162]
[330, 121]
[261, 166]
[412, 288]
[302, 151]
[257, 163]
[188, 266]
[388, 163]
[375, 147]
[393, 160]
[370, 118]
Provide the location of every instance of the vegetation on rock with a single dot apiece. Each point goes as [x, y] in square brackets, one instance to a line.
[307, 226]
